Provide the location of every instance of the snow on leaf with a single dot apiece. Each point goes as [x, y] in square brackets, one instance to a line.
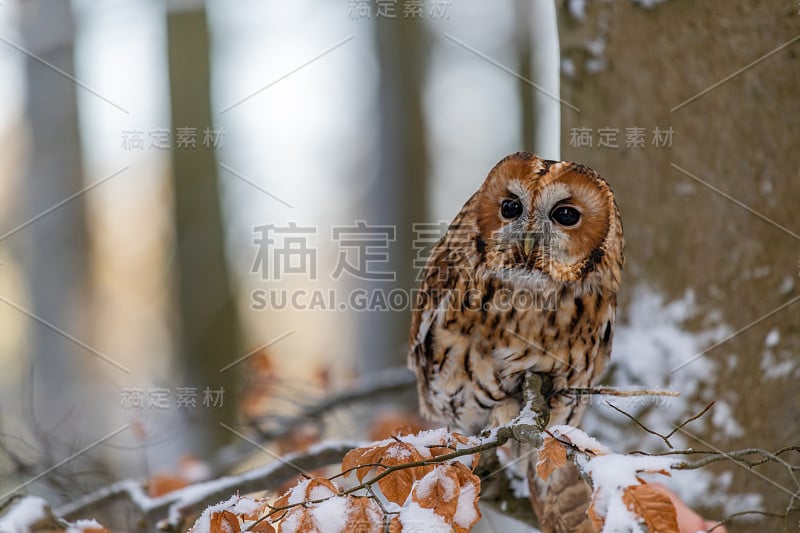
[452, 442]
[439, 490]
[85, 526]
[298, 520]
[161, 484]
[309, 489]
[364, 515]
[579, 440]
[653, 505]
[596, 519]
[261, 527]
[225, 517]
[467, 511]
[224, 522]
[552, 456]
[397, 485]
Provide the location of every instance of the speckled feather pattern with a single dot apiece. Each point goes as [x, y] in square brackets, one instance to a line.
[472, 340]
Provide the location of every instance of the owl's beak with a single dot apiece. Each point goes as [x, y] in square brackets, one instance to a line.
[528, 243]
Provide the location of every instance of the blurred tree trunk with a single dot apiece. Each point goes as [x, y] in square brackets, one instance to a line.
[56, 249]
[522, 19]
[690, 67]
[399, 194]
[209, 324]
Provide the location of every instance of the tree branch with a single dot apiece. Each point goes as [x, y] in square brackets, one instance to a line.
[177, 504]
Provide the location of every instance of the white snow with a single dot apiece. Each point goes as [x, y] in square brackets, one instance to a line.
[580, 439]
[648, 4]
[619, 519]
[465, 509]
[611, 474]
[649, 342]
[722, 418]
[773, 338]
[577, 8]
[318, 492]
[416, 518]
[82, 525]
[330, 515]
[437, 475]
[568, 67]
[234, 504]
[24, 513]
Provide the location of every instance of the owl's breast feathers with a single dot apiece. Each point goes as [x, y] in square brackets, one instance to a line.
[476, 332]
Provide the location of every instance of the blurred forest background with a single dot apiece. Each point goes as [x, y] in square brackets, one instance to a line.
[152, 152]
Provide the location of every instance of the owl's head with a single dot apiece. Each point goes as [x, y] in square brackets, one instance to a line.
[546, 217]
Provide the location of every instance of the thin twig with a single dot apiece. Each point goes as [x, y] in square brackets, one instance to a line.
[666, 437]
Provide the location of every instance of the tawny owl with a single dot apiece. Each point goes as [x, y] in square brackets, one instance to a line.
[525, 279]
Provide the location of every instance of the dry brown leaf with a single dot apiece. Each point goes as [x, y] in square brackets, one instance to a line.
[311, 491]
[395, 526]
[397, 485]
[448, 446]
[298, 439]
[439, 491]
[465, 477]
[301, 519]
[262, 527]
[552, 456]
[256, 513]
[653, 505]
[363, 515]
[161, 484]
[224, 522]
[597, 520]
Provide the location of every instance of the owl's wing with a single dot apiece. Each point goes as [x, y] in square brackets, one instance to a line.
[425, 312]
[454, 252]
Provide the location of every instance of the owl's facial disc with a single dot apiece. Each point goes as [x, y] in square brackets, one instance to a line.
[540, 218]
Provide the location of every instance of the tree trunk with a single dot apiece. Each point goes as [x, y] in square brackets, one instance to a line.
[56, 249]
[398, 195]
[209, 325]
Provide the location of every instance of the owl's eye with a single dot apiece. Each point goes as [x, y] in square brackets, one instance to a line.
[565, 215]
[510, 208]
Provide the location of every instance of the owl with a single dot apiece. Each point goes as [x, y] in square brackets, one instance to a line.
[524, 280]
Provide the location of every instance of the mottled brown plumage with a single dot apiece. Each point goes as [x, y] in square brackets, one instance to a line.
[525, 279]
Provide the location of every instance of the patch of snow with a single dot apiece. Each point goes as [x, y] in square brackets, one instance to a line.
[594, 65]
[577, 8]
[648, 4]
[23, 514]
[649, 342]
[787, 285]
[775, 369]
[81, 525]
[319, 492]
[596, 47]
[773, 338]
[568, 67]
[611, 474]
[331, 515]
[619, 519]
[579, 439]
[234, 504]
[722, 418]
[429, 481]
[466, 512]
[415, 518]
